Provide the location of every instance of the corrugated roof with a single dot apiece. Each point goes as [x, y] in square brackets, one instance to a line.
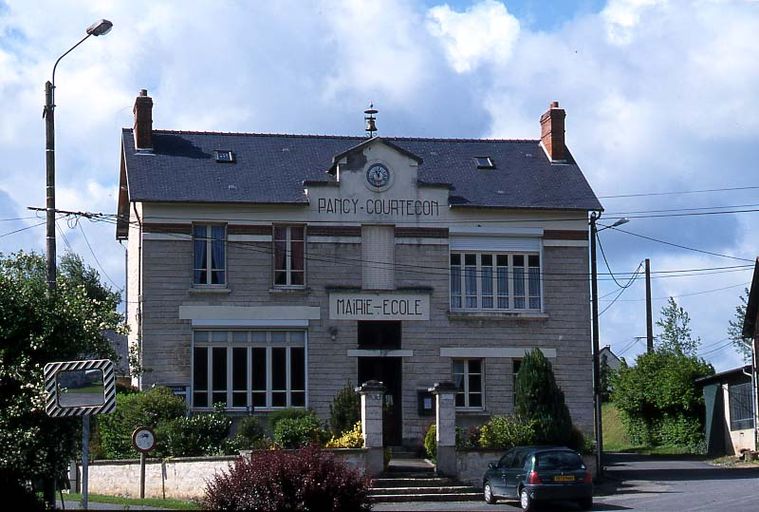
[271, 168]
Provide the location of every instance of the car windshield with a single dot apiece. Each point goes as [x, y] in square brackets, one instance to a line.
[558, 460]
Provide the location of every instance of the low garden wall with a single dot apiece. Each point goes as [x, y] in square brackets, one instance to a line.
[472, 464]
[181, 478]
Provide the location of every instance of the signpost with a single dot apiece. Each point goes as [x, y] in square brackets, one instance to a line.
[80, 388]
[143, 440]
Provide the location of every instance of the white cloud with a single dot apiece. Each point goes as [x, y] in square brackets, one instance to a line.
[622, 17]
[485, 32]
[659, 96]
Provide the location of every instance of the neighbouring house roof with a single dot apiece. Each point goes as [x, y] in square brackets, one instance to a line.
[726, 375]
[272, 168]
[752, 306]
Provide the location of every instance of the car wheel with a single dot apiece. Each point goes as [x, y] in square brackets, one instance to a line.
[585, 503]
[490, 499]
[528, 504]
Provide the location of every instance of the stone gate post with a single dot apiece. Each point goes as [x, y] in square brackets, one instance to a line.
[445, 426]
[372, 394]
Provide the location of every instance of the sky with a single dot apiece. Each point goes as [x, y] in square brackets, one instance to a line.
[660, 99]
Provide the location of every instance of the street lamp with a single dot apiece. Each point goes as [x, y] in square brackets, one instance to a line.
[98, 28]
[596, 357]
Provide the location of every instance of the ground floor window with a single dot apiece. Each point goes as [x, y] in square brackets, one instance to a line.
[741, 406]
[467, 376]
[249, 369]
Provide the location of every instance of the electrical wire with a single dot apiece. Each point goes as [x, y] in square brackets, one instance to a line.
[100, 266]
[622, 289]
[645, 194]
[22, 229]
[679, 245]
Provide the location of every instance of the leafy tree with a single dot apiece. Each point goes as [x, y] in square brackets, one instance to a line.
[38, 327]
[659, 399]
[605, 376]
[735, 329]
[676, 332]
[540, 401]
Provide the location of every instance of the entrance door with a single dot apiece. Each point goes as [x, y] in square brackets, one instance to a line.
[388, 371]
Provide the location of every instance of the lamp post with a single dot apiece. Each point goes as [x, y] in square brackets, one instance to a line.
[98, 28]
[596, 344]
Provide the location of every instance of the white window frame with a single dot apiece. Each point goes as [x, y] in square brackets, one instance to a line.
[288, 270]
[466, 376]
[494, 284]
[209, 256]
[249, 345]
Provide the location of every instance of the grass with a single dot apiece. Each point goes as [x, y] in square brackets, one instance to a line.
[148, 502]
[615, 437]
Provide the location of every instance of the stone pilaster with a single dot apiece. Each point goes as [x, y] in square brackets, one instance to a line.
[372, 393]
[445, 426]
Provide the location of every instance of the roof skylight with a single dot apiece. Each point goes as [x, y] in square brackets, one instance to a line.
[224, 155]
[484, 162]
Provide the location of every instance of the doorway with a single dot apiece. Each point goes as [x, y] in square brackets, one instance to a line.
[388, 371]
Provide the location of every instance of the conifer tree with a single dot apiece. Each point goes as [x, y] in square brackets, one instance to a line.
[540, 400]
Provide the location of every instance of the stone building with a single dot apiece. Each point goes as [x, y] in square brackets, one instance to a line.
[268, 271]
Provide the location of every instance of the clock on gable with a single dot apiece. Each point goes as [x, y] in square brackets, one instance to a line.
[378, 176]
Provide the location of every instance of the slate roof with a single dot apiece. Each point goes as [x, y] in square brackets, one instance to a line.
[271, 168]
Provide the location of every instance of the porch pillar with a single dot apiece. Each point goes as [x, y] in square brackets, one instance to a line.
[445, 426]
[372, 393]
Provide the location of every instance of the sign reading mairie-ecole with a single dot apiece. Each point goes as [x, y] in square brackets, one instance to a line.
[379, 306]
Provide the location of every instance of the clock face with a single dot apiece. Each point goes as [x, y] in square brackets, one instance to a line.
[143, 439]
[378, 176]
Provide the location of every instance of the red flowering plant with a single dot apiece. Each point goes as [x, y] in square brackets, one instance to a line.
[307, 479]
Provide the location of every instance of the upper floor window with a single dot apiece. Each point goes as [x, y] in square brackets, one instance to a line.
[209, 248]
[289, 255]
[495, 281]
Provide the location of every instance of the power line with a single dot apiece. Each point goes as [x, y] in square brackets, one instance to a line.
[702, 292]
[622, 289]
[644, 194]
[646, 237]
[22, 229]
[84, 235]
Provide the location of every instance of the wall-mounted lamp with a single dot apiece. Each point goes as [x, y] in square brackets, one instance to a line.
[332, 333]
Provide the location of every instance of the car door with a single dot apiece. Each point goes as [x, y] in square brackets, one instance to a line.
[498, 474]
[515, 471]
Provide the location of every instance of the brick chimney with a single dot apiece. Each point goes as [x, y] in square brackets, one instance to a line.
[552, 132]
[143, 121]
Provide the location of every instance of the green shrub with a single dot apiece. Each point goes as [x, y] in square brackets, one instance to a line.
[200, 434]
[277, 480]
[148, 408]
[291, 413]
[430, 442]
[250, 430]
[352, 438]
[658, 400]
[469, 438]
[504, 432]
[345, 409]
[299, 432]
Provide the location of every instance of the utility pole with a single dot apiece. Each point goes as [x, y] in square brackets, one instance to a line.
[49, 116]
[596, 358]
[649, 316]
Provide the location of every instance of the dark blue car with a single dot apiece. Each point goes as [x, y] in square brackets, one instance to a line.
[539, 473]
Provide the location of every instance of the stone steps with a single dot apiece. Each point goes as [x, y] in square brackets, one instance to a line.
[413, 479]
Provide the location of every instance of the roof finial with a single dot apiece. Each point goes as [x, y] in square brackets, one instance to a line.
[371, 125]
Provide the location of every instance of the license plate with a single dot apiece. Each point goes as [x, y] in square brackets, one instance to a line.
[564, 478]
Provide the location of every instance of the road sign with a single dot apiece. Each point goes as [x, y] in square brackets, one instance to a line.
[80, 388]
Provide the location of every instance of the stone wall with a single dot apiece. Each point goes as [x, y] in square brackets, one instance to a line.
[181, 478]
